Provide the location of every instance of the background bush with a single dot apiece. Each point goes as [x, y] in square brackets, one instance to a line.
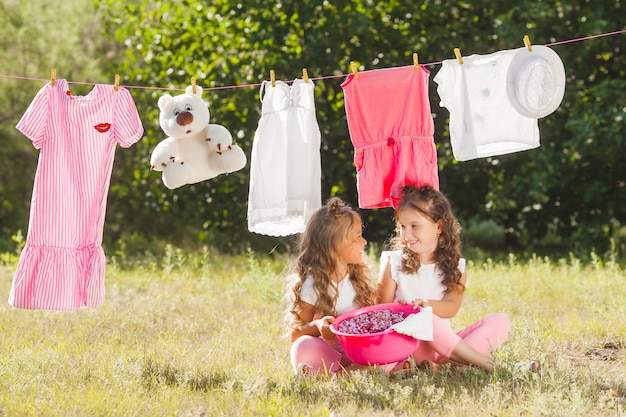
[572, 187]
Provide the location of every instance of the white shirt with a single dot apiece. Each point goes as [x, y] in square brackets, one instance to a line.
[426, 283]
[483, 122]
[345, 300]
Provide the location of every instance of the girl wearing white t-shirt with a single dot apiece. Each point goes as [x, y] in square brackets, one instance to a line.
[426, 269]
[330, 278]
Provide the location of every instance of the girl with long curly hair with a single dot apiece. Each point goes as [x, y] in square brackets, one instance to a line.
[426, 268]
[330, 278]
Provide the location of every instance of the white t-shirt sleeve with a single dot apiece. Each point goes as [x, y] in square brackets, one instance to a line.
[395, 262]
[462, 265]
[347, 294]
[308, 294]
[384, 259]
[445, 79]
[345, 300]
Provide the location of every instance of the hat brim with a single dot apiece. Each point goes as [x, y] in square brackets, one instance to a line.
[536, 81]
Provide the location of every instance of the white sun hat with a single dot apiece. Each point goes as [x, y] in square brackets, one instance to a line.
[536, 81]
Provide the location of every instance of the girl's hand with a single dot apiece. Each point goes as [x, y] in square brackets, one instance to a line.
[323, 325]
[420, 302]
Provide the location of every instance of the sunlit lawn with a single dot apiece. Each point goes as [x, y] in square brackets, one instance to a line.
[203, 335]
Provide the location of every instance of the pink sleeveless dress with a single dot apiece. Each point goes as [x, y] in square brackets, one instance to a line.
[392, 129]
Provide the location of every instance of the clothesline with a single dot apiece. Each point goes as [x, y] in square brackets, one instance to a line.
[584, 38]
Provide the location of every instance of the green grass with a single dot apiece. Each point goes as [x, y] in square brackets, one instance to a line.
[202, 335]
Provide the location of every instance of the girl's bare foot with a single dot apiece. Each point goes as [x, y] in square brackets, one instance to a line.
[429, 366]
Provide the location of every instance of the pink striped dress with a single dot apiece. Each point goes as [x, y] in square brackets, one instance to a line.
[62, 266]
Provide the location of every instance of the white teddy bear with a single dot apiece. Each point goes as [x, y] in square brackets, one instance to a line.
[195, 150]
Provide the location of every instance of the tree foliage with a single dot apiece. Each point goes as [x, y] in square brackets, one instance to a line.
[571, 187]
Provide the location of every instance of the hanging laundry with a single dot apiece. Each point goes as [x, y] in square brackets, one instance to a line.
[391, 128]
[478, 94]
[536, 81]
[62, 266]
[285, 164]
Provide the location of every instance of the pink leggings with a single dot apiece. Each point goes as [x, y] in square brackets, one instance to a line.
[485, 335]
[316, 353]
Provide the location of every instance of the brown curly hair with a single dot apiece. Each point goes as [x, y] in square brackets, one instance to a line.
[435, 206]
[319, 248]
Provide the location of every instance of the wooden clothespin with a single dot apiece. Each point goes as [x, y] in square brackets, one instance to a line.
[53, 77]
[273, 78]
[527, 43]
[457, 53]
[305, 75]
[193, 85]
[416, 63]
[354, 70]
[116, 85]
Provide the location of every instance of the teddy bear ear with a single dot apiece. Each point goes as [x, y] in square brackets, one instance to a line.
[163, 100]
[198, 92]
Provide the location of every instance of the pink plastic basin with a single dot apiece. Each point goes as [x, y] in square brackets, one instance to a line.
[376, 348]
